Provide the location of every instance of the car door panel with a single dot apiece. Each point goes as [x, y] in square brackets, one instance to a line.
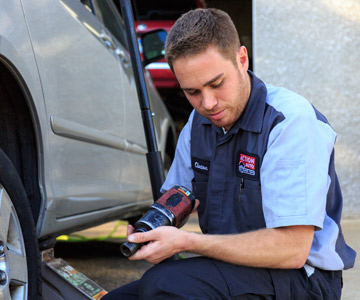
[135, 182]
[82, 87]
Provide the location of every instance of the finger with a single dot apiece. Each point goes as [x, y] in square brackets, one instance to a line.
[197, 203]
[149, 236]
[140, 254]
[147, 253]
[140, 237]
[130, 230]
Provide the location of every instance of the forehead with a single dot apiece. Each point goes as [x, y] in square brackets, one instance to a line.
[197, 69]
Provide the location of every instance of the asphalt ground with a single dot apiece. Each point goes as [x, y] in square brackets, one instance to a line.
[98, 256]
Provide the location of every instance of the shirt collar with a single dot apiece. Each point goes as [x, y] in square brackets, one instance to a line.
[252, 117]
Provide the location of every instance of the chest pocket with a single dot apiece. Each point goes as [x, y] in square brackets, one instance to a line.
[248, 212]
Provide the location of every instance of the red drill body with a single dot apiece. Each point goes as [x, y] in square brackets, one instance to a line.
[171, 209]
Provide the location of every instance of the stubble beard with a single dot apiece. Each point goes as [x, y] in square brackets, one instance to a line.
[243, 95]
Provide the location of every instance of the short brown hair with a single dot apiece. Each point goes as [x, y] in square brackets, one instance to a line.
[197, 30]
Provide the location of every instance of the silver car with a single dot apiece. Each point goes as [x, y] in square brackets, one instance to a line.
[72, 145]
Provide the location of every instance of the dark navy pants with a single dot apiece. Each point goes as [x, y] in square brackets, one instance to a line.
[201, 278]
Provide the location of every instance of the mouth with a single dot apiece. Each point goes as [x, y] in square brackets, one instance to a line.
[216, 116]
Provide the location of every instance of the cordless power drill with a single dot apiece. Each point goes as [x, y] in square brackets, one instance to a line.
[171, 209]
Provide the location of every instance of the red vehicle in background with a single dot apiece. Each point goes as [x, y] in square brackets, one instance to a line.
[161, 14]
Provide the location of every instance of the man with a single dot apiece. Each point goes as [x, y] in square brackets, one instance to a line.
[261, 161]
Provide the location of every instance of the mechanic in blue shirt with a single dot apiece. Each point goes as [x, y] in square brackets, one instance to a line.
[261, 161]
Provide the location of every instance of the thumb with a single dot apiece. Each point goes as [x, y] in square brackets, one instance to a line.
[138, 237]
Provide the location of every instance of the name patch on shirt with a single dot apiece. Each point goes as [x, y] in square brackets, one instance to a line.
[200, 165]
[247, 165]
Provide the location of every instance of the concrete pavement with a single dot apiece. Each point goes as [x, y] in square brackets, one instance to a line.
[351, 289]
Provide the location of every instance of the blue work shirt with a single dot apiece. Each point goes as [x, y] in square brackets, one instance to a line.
[273, 168]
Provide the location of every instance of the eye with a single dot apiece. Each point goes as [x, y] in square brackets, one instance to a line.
[192, 92]
[218, 84]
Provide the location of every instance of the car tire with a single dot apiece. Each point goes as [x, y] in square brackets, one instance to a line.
[19, 251]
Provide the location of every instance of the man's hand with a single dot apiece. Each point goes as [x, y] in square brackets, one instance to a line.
[163, 242]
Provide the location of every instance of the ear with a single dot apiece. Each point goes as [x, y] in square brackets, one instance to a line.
[242, 58]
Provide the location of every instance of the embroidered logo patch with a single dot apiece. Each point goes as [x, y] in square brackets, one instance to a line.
[200, 165]
[247, 165]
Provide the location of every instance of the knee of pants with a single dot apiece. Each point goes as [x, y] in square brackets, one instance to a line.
[183, 279]
[150, 283]
[129, 292]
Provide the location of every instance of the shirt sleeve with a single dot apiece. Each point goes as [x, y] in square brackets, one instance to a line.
[294, 171]
[180, 172]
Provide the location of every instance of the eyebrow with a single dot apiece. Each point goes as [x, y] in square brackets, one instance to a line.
[207, 83]
[214, 79]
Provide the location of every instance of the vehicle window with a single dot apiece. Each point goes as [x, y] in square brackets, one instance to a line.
[88, 5]
[112, 20]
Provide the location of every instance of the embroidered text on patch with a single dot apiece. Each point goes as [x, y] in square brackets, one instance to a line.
[247, 164]
[200, 165]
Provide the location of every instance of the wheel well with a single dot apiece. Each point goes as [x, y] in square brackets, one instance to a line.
[17, 133]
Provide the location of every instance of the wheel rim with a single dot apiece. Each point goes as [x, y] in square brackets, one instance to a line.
[13, 265]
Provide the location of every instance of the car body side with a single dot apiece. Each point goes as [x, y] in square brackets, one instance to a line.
[79, 145]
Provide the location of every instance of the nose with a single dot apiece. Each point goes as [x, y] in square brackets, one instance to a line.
[209, 100]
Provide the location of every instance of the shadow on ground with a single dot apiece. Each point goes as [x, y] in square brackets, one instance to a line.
[101, 262]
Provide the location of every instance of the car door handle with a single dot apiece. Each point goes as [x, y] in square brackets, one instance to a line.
[107, 41]
[121, 54]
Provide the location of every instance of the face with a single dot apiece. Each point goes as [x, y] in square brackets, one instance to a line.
[215, 86]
